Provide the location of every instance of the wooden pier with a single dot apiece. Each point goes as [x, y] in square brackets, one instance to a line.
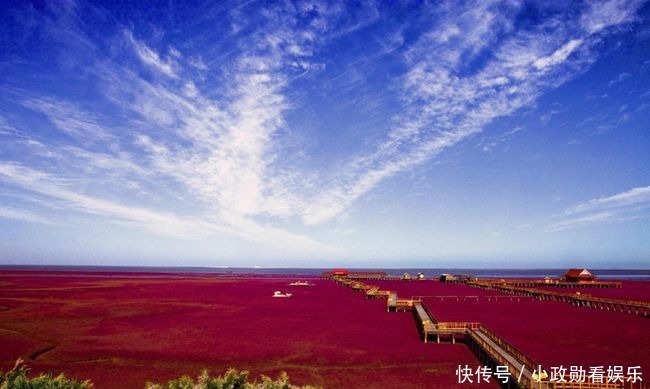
[493, 351]
[428, 325]
[470, 298]
[520, 283]
[376, 293]
[641, 308]
[424, 321]
[356, 275]
[490, 348]
[394, 304]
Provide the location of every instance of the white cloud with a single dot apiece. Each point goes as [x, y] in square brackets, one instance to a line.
[219, 152]
[215, 138]
[71, 119]
[632, 197]
[23, 216]
[603, 14]
[5, 127]
[445, 103]
[581, 221]
[625, 206]
[47, 185]
[559, 56]
[156, 222]
[151, 58]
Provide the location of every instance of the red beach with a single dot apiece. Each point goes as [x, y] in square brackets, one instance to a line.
[122, 329]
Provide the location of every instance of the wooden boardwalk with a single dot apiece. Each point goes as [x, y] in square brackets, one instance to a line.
[641, 308]
[490, 348]
[493, 351]
[551, 283]
[394, 304]
[429, 326]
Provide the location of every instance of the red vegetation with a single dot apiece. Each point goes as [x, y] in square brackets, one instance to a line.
[121, 329]
[553, 333]
[631, 290]
[407, 289]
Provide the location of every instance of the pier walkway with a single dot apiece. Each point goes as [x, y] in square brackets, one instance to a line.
[641, 308]
[492, 350]
[554, 283]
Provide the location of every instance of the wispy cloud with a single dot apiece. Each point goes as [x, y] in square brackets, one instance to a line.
[23, 216]
[629, 205]
[220, 152]
[446, 101]
[151, 58]
[604, 14]
[632, 197]
[71, 120]
[5, 127]
[191, 142]
[44, 184]
[621, 77]
[559, 56]
[157, 222]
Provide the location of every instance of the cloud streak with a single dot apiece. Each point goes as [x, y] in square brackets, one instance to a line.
[23, 216]
[156, 222]
[625, 206]
[452, 103]
[150, 57]
[193, 143]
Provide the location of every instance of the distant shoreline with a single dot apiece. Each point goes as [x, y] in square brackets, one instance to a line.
[628, 274]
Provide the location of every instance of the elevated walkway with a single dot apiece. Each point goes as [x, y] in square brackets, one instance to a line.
[429, 326]
[394, 304]
[640, 308]
[493, 351]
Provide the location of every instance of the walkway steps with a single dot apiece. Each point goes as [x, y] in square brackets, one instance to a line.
[491, 349]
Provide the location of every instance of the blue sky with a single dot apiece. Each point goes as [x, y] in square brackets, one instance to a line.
[486, 133]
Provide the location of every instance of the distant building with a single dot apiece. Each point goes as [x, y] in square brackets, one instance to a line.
[335, 273]
[453, 278]
[407, 277]
[355, 275]
[340, 272]
[448, 278]
[579, 275]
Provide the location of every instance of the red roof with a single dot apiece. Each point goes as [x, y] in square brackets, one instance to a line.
[579, 273]
[339, 272]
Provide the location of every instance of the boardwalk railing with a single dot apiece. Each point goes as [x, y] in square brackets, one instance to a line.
[485, 342]
[522, 283]
[394, 304]
[641, 308]
[509, 348]
[425, 321]
[377, 293]
[516, 370]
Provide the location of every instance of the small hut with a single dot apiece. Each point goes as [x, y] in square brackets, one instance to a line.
[407, 277]
[448, 278]
[340, 272]
[579, 275]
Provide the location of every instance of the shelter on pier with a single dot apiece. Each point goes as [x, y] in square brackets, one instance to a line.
[454, 278]
[579, 275]
[355, 275]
